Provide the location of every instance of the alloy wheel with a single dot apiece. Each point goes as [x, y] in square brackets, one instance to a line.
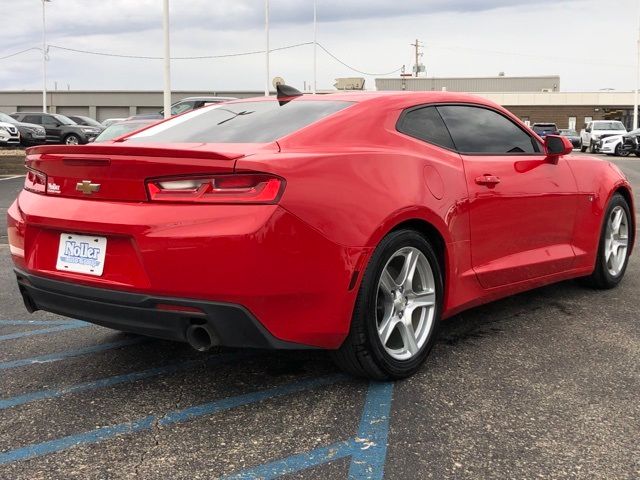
[71, 140]
[616, 241]
[405, 303]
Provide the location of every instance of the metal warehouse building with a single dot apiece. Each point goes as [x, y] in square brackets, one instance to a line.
[100, 104]
[500, 83]
[533, 99]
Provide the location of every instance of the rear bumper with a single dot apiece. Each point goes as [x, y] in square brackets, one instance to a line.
[233, 325]
[293, 280]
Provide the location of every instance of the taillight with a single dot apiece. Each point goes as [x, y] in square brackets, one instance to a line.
[238, 188]
[35, 181]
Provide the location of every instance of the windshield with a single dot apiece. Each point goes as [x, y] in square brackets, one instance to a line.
[241, 122]
[181, 107]
[120, 129]
[569, 133]
[6, 118]
[64, 120]
[90, 121]
[608, 126]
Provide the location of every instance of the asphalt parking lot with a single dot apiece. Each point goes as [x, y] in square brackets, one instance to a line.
[542, 385]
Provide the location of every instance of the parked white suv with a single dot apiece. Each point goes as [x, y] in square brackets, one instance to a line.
[13, 135]
[598, 130]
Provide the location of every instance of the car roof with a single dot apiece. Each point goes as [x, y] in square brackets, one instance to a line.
[387, 97]
[206, 99]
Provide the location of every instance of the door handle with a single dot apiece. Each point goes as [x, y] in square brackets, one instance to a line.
[488, 180]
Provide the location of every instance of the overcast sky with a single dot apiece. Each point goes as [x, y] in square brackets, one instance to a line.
[590, 44]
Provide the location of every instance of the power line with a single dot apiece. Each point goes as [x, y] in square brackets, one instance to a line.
[227, 55]
[355, 69]
[201, 57]
[20, 52]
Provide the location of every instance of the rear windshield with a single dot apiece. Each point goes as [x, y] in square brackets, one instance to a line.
[242, 122]
[544, 128]
[608, 126]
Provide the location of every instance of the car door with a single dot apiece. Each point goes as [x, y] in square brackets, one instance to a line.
[522, 206]
[53, 128]
[35, 119]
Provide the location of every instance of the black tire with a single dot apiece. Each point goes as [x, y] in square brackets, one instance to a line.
[592, 147]
[619, 152]
[362, 353]
[583, 148]
[71, 139]
[601, 278]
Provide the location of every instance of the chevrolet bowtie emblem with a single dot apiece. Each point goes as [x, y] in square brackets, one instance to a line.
[87, 187]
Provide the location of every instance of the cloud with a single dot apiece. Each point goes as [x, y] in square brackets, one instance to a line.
[462, 37]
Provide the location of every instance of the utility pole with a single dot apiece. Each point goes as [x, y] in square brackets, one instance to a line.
[417, 47]
[266, 33]
[315, 46]
[167, 60]
[44, 57]
[635, 103]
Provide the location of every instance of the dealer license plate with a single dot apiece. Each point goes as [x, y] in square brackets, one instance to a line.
[81, 254]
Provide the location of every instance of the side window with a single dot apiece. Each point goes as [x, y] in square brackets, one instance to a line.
[480, 130]
[37, 119]
[426, 124]
[47, 120]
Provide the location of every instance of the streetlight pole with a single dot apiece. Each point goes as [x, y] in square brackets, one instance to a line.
[266, 33]
[635, 104]
[315, 46]
[44, 57]
[167, 60]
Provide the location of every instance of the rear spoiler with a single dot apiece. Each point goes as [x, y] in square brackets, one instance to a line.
[185, 151]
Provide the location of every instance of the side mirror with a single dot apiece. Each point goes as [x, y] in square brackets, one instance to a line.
[557, 146]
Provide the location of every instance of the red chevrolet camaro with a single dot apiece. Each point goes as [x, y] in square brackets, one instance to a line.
[347, 222]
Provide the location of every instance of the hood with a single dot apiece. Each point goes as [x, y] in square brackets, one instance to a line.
[9, 127]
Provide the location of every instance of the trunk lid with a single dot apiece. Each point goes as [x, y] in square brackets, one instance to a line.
[116, 171]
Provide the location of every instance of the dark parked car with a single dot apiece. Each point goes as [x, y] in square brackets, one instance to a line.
[122, 128]
[631, 143]
[572, 135]
[184, 105]
[86, 121]
[30, 134]
[60, 129]
[544, 129]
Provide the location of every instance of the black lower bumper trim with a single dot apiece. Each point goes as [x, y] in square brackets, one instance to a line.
[234, 325]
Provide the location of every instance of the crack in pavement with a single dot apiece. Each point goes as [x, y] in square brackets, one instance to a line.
[156, 429]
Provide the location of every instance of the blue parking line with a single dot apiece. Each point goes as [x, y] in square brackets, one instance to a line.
[297, 463]
[368, 450]
[116, 380]
[42, 331]
[54, 357]
[146, 423]
[37, 322]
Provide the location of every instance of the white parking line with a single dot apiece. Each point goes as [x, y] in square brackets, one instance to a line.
[11, 178]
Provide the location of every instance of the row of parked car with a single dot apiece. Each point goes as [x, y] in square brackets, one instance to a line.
[599, 136]
[37, 128]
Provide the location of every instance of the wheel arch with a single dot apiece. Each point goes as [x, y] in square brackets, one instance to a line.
[628, 196]
[433, 235]
[430, 226]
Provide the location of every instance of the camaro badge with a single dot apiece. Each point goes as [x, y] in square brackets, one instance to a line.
[87, 187]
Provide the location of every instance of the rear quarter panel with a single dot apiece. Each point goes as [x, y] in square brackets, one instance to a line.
[597, 182]
[356, 179]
